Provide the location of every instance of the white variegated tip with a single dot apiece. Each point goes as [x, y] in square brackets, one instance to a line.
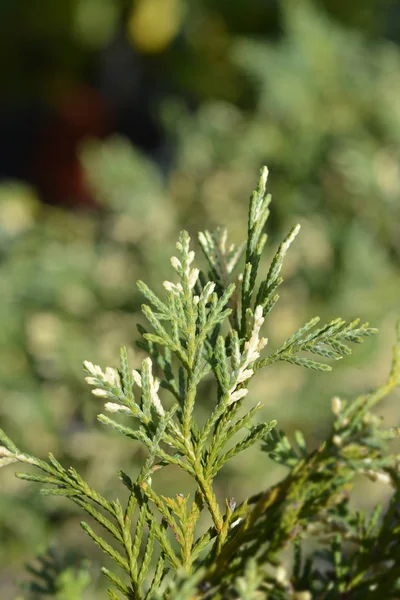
[235, 396]
[154, 387]
[175, 288]
[258, 315]
[113, 407]
[176, 263]
[264, 176]
[262, 343]
[100, 393]
[169, 286]
[111, 376]
[137, 378]
[208, 289]
[243, 375]
[157, 403]
[193, 277]
[93, 369]
[147, 365]
[223, 238]
[6, 457]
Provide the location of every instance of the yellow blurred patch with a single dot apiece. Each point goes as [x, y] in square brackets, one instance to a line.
[18, 207]
[153, 24]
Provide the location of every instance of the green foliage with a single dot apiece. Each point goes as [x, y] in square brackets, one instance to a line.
[325, 120]
[318, 103]
[61, 577]
[202, 329]
[67, 293]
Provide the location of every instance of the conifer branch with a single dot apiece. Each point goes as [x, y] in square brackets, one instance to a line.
[212, 328]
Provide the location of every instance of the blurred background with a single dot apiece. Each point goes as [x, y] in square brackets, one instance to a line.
[122, 121]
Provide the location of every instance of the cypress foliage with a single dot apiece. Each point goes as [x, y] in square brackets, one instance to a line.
[209, 325]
